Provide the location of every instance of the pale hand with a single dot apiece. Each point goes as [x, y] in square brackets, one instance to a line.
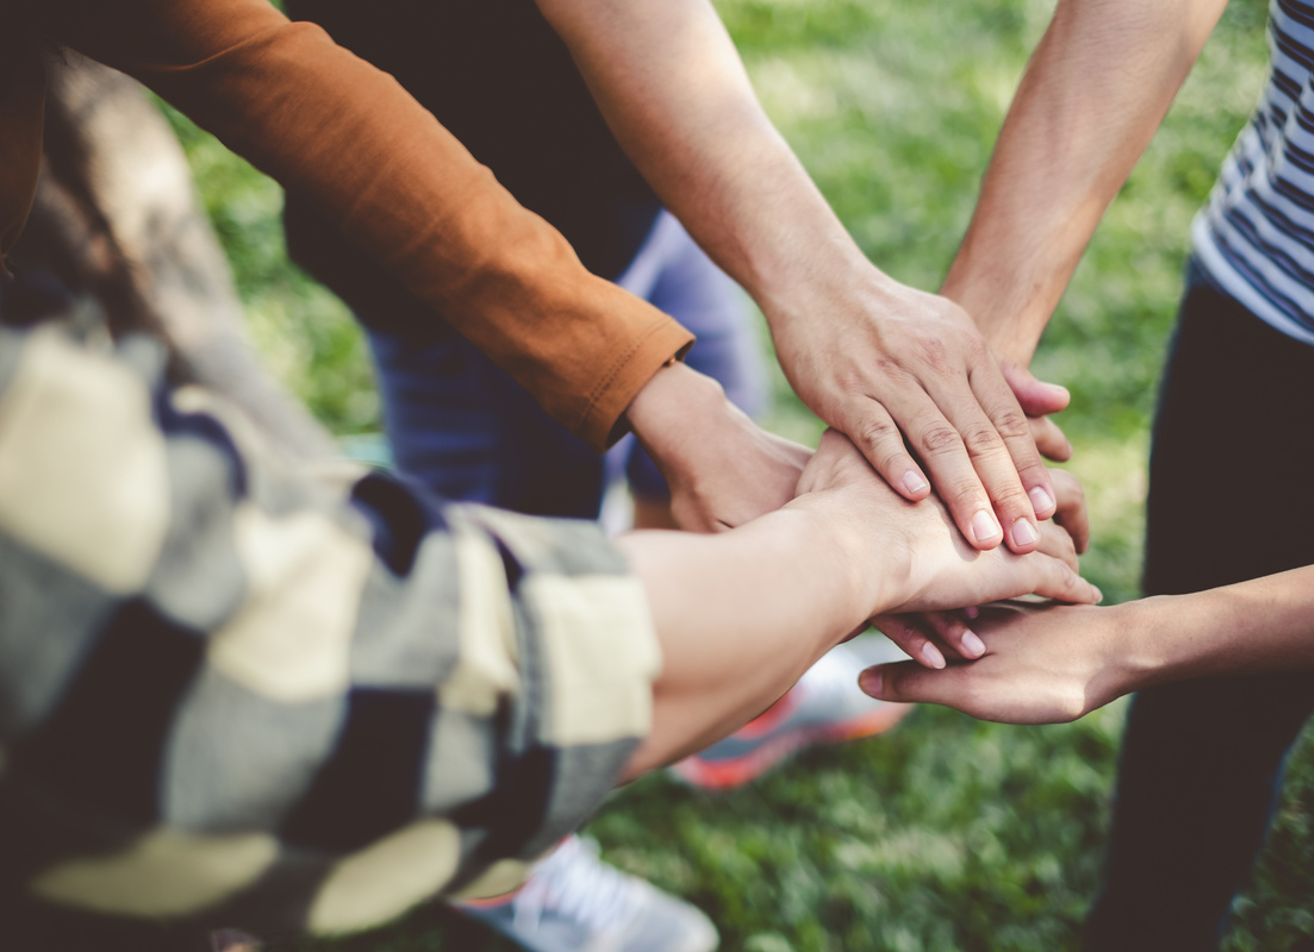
[722, 469]
[923, 561]
[904, 363]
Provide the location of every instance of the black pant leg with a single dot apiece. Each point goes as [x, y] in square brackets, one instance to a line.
[1230, 499]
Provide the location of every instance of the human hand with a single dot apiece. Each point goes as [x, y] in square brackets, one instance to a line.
[1041, 665]
[921, 558]
[931, 637]
[722, 468]
[910, 364]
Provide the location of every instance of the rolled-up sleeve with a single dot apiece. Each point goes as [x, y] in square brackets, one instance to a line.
[380, 168]
[233, 692]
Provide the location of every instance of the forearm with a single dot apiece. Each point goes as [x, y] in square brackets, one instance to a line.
[1091, 99]
[1258, 626]
[740, 616]
[685, 112]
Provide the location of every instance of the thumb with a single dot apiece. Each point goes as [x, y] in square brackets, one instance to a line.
[901, 681]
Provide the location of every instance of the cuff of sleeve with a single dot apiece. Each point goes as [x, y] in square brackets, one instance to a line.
[587, 656]
[603, 422]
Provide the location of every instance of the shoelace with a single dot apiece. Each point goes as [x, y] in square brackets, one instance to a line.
[575, 883]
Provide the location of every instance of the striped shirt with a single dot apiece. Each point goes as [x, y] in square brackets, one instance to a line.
[1255, 238]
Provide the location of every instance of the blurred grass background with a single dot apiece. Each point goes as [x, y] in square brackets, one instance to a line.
[947, 834]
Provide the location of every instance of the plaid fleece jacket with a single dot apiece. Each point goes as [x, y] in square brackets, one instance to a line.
[232, 692]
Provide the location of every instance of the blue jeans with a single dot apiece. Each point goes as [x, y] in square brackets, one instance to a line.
[1201, 762]
[466, 429]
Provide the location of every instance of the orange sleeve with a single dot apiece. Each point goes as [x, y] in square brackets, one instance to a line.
[382, 169]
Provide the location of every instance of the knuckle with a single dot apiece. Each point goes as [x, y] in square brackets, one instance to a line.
[937, 439]
[1073, 704]
[934, 354]
[878, 432]
[963, 493]
[887, 367]
[1012, 424]
[981, 438]
[1009, 496]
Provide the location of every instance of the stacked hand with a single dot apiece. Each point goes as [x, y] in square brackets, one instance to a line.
[909, 366]
[919, 556]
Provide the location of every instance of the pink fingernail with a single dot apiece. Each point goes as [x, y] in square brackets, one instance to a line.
[1041, 501]
[931, 654]
[973, 645]
[971, 611]
[872, 681]
[913, 482]
[1024, 533]
[984, 527]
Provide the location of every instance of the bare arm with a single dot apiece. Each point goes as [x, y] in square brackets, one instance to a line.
[873, 358]
[1097, 87]
[1047, 665]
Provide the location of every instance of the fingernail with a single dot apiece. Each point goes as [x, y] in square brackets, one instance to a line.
[931, 655]
[984, 527]
[1024, 533]
[913, 482]
[872, 681]
[1041, 501]
[1099, 596]
[971, 611]
[973, 645]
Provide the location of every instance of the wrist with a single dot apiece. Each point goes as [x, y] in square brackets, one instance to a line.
[674, 395]
[1009, 322]
[832, 279]
[1141, 648]
[857, 554]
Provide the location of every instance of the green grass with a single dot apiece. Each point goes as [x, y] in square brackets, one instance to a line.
[948, 834]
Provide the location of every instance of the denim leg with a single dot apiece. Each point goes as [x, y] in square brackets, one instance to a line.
[464, 428]
[1201, 761]
[674, 274]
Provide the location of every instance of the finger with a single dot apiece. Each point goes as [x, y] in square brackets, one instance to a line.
[1057, 580]
[904, 681]
[871, 428]
[992, 460]
[1050, 440]
[1072, 514]
[951, 629]
[946, 631]
[945, 456]
[1057, 544]
[1038, 400]
[1036, 397]
[905, 633]
[1014, 427]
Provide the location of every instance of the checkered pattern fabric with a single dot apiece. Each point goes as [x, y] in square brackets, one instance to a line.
[234, 693]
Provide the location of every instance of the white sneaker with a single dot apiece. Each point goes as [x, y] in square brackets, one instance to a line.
[574, 902]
